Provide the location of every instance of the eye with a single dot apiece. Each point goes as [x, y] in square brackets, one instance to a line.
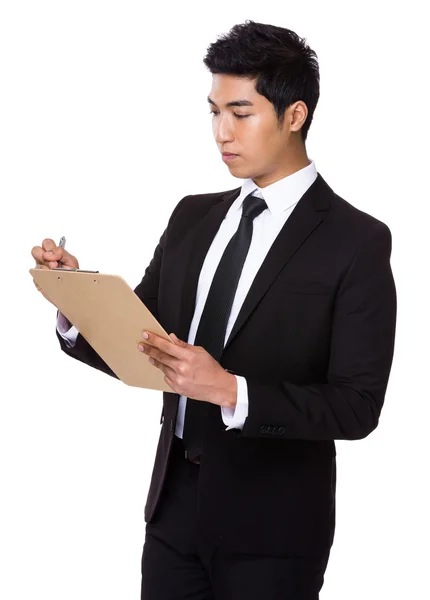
[214, 113]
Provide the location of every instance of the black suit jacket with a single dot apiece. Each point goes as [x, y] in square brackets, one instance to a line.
[314, 339]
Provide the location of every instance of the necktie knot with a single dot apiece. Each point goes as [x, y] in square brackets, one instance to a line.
[253, 206]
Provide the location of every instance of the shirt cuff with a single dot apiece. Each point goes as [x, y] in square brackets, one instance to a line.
[68, 332]
[235, 418]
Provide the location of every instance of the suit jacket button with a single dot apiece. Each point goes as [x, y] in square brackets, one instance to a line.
[270, 430]
[275, 430]
[281, 430]
[263, 429]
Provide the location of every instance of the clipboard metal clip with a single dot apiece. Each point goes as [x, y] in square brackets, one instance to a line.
[77, 270]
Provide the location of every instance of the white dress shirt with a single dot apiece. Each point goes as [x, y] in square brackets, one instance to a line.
[281, 197]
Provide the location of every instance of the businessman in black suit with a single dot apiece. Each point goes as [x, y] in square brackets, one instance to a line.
[282, 305]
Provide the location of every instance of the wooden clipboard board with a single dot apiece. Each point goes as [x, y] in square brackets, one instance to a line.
[110, 316]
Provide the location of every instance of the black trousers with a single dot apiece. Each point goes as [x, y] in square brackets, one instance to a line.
[179, 563]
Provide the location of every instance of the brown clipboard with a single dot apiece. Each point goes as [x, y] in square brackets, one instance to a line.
[110, 316]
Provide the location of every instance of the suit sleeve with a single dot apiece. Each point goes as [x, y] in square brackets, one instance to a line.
[147, 290]
[348, 405]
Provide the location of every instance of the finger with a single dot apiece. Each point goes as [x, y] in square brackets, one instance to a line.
[55, 254]
[160, 356]
[178, 341]
[52, 252]
[37, 254]
[45, 256]
[157, 364]
[48, 244]
[165, 345]
[170, 373]
[170, 384]
[60, 254]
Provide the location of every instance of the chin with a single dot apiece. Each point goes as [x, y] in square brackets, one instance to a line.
[240, 173]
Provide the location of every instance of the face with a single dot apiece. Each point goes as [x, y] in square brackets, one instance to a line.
[245, 125]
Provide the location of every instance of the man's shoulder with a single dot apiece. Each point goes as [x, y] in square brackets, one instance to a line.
[195, 206]
[350, 217]
[209, 198]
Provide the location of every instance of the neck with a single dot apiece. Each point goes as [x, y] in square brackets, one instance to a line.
[290, 165]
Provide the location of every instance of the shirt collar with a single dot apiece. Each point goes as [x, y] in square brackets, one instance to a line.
[282, 194]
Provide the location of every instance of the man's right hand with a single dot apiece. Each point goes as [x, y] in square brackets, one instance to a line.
[45, 260]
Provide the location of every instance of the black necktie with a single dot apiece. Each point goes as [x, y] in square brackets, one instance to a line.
[213, 322]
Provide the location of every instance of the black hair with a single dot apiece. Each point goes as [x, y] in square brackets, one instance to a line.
[284, 66]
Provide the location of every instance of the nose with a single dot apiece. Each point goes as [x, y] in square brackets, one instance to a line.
[223, 130]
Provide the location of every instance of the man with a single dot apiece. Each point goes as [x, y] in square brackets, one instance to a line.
[282, 306]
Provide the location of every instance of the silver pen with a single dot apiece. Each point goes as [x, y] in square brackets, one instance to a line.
[61, 244]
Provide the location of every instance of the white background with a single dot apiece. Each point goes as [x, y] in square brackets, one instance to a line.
[104, 128]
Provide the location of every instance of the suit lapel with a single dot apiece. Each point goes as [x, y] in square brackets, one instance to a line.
[307, 215]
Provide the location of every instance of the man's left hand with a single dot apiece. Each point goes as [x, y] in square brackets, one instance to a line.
[190, 370]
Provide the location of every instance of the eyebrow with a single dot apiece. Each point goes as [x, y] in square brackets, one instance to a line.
[234, 103]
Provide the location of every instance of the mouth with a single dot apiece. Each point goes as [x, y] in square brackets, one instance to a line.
[227, 156]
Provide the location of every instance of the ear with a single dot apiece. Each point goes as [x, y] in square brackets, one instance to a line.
[299, 113]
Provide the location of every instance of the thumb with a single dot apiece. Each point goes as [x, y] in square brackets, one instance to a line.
[178, 341]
